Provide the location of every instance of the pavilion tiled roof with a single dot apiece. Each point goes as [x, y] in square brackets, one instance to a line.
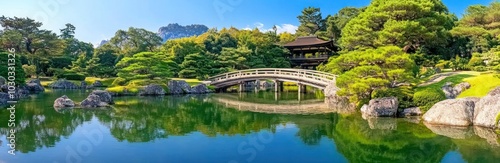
[307, 41]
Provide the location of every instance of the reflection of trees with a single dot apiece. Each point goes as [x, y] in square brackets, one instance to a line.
[146, 120]
[358, 143]
[39, 126]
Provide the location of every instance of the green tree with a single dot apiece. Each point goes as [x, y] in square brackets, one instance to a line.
[145, 65]
[196, 65]
[24, 35]
[135, 40]
[102, 63]
[364, 71]
[5, 71]
[29, 70]
[337, 22]
[414, 25]
[68, 32]
[311, 22]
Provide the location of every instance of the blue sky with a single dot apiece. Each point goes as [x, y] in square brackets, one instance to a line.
[97, 20]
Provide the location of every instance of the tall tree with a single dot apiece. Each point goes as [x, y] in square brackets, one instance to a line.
[68, 32]
[24, 35]
[337, 22]
[311, 22]
[478, 29]
[414, 25]
[135, 40]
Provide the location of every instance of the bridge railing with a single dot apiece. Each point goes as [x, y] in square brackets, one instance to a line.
[309, 74]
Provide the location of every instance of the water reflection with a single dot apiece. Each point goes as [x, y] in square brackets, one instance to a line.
[147, 119]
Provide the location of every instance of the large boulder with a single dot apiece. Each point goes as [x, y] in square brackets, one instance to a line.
[455, 112]
[97, 83]
[34, 85]
[63, 84]
[152, 90]
[381, 107]
[408, 112]
[178, 87]
[339, 103]
[452, 92]
[487, 110]
[200, 89]
[104, 96]
[93, 101]
[63, 102]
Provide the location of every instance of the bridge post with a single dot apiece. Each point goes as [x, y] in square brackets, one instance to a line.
[257, 86]
[242, 87]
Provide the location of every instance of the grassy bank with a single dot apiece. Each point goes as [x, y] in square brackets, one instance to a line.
[480, 85]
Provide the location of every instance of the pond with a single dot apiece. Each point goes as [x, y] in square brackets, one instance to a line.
[210, 128]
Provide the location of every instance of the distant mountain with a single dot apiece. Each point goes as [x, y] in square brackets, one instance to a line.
[173, 31]
[102, 43]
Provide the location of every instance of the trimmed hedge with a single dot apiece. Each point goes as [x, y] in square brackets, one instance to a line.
[425, 99]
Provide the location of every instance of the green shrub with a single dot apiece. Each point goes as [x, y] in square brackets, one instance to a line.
[72, 76]
[404, 95]
[480, 68]
[425, 99]
[119, 82]
[20, 76]
[442, 64]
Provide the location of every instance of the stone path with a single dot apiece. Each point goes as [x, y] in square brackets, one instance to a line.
[438, 77]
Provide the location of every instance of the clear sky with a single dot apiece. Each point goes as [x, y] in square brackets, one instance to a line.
[97, 20]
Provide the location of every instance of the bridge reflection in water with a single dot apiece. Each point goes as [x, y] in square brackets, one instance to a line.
[306, 106]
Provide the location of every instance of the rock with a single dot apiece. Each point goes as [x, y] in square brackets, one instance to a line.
[93, 101]
[104, 96]
[488, 134]
[200, 89]
[452, 92]
[83, 85]
[382, 123]
[459, 88]
[488, 109]
[456, 112]
[4, 97]
[448, 90]
[414, 111]
[35, 86]
[267, 84]
[63, 102]
[336, 102]
[63, 84]
[455, 132]
[97, 83]
[152, 90]
[178, 87]
[381, 107]
[3, 81]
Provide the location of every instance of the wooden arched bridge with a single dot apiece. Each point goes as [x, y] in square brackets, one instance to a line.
[302, 77]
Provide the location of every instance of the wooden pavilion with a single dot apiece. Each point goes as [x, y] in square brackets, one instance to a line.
[310, 51]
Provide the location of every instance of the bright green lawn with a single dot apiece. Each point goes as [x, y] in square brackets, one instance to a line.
[481, 85]
[455, 79]
[191, 82]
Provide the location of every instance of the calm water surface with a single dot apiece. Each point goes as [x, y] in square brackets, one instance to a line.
[202, 129]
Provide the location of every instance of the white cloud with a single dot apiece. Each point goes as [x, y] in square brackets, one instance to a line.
[279, 28]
